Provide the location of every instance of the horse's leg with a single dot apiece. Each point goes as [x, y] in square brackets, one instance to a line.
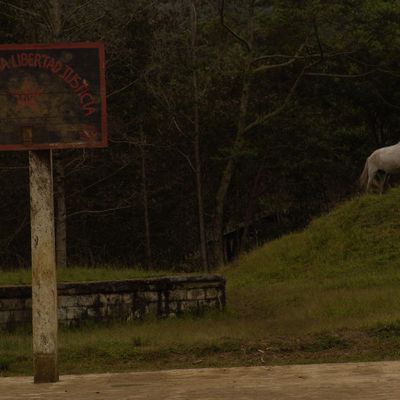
[382, 183]
[385, 183]
[371, 176]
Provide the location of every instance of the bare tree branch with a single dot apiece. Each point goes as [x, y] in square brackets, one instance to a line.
[303, 56]
[386, 102]
[100, 180]
[284, 64]
[159, 93]
[231, 31]
[178, 127]
[187, 158]
[316, 32]
[80, 161]
[22, 225]
[23, 10]
[122, 89]
[376, 67]
[328, 75]
[76, 9]
[76, 29]
[263, 118]
[98, 211]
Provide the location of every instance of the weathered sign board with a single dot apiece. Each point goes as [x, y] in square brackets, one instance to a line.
[52, 96]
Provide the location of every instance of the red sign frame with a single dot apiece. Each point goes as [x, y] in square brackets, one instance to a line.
[12, 60]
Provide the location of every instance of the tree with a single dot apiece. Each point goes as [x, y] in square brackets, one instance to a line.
[290, 100]
[252, 64]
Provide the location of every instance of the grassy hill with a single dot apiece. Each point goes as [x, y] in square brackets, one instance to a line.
[329, 293]
[343, 270]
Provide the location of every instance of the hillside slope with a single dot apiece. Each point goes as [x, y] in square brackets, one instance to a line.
[343, 270]
[330, 293]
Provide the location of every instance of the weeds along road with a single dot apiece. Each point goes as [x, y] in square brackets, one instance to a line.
[353, 381]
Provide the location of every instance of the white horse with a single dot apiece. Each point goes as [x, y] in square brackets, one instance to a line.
[385, 159]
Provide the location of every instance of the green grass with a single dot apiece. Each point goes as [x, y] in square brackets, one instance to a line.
[327, 294]
[342, 271]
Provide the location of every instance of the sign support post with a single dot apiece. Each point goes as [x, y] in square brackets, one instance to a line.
[53, 96]
[44, 284]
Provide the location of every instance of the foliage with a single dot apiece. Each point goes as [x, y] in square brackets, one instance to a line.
[287, 169]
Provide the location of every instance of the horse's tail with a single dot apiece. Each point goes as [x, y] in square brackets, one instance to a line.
[364, 176]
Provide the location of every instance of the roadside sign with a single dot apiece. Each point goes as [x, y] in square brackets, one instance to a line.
[52, 96]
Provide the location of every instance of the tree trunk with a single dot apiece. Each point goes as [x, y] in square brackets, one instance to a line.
[229, 168]
[149, 261]
[250, 210]
[59, 173]
[197, 158]
[226, 178]
[61, 213]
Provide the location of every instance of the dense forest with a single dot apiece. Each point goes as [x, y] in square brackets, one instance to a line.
[230, 122]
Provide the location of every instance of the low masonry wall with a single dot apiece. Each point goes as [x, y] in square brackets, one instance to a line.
[120, 300]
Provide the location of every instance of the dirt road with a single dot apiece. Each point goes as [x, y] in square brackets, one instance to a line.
[380, 380]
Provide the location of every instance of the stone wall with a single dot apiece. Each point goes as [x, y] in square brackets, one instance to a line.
[118, 300]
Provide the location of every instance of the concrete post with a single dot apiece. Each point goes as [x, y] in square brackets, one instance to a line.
[44, 285]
